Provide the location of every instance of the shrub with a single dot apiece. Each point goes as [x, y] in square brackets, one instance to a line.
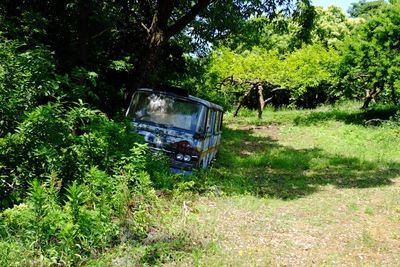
[64, 140]
[27, 79]
[92, 215]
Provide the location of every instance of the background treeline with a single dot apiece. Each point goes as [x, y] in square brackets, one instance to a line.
[339, 58]
[74, 179]
[101, 51]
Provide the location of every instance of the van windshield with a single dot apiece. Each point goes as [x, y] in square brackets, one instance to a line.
[167, 110]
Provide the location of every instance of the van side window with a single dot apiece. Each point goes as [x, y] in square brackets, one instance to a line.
[209, 121]
[217, 119]
[221, 115]
[213, 120]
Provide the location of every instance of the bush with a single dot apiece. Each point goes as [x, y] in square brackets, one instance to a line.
[66, 141]
[27, 79]
[91, 215]
[87, 222]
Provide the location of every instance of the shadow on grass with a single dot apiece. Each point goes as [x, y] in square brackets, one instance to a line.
[361, 117]
[262, 167]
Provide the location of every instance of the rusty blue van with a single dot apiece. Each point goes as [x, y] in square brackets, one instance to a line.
[186, 128]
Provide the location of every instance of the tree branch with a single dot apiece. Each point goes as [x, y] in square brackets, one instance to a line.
[268, 99]
[100, 33]
[145, 27]
[181, 23]
[242, 100]
[278, 89]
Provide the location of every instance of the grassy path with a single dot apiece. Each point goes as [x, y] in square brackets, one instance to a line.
[301, 188]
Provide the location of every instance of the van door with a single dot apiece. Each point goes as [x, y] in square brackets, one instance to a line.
[205, 153]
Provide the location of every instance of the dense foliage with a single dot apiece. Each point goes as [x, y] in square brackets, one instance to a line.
[306, 72]
[73, 182]
[371, 63]
[63, 141]
[54, 228]
[27, 79]
[344, 58]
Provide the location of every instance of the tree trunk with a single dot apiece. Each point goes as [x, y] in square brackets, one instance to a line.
[368, 99]
[242, 101]
[158, 35]
[261, 100]
[156, 40]
[370, 96]
[147, 63]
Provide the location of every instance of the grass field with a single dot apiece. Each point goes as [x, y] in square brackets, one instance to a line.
[308, 188]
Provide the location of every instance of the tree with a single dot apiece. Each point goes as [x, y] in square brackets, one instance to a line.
[364, 8]
[245, 72]
[170, 18]
[127, 43]
[331, 26]
[307, 74]
[284, 32]
[371, 62]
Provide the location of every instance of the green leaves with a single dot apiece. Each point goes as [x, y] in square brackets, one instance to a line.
[370, 55]
[76, 195]
[311, 66]
[64, 140]
[88, 185]
[27, 78]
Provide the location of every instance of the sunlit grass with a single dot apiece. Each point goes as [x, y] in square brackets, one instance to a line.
[302, 188]
[278, 156]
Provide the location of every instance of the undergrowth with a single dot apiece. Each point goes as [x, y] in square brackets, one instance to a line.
[76, 185]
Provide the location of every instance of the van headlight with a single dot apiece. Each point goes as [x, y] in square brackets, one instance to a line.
[187, 158]
[179, 156]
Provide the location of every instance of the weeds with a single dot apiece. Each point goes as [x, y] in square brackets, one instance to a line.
[89, 184]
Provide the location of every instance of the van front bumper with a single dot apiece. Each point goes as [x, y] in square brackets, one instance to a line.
[176, 166]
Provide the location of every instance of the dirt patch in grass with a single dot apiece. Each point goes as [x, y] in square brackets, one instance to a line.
[250, 145]
[271, 130]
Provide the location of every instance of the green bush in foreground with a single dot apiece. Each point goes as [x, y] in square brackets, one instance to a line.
[66, 141]
[96, 214]
[27, 79]
[73, 185]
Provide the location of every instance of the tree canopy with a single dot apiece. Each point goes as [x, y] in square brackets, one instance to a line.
[103, 50]
[371, 63]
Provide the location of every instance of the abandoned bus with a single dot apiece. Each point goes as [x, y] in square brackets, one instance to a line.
[186, 128]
